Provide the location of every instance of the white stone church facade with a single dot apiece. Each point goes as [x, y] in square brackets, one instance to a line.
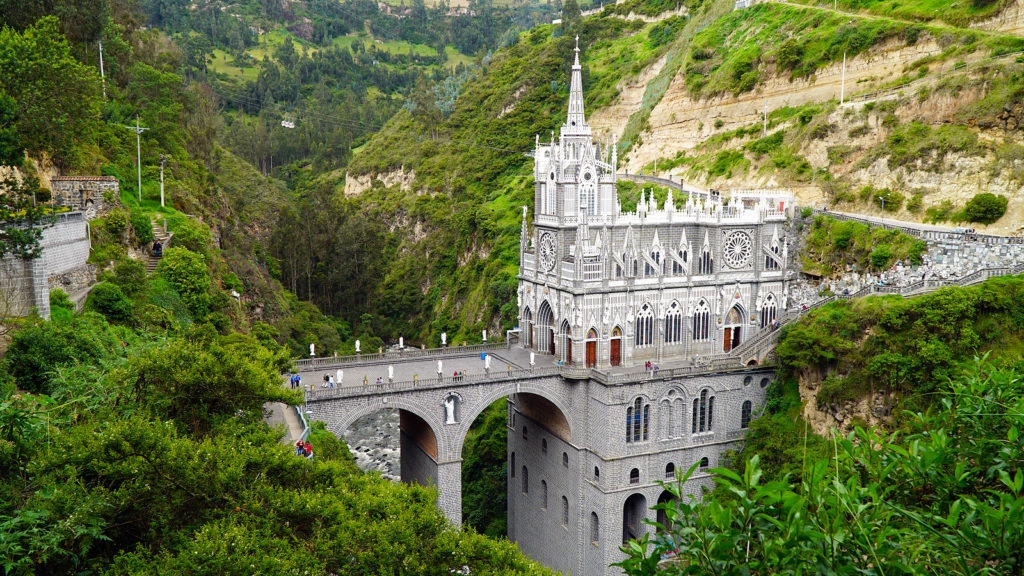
[602, 287]
[610, 290]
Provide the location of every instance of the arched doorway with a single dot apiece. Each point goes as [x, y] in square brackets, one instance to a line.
[591, 348]
[616, 346]
[565, 333]
[633, 512]
[666, 498]
[733, 328]
[546, 329]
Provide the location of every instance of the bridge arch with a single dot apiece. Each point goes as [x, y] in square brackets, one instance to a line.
[545, 394]
[432, 418]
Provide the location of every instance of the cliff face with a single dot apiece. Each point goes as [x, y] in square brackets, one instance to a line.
[687, 96]
[942, 76]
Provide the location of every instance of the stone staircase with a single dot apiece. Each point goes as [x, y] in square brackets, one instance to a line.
[164, 238]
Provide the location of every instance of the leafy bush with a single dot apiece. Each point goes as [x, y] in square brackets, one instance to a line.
[143, 227]
[192, 235]
[985, 208]
[881, 256]
[108, 299]
[130, 275]
[766, 145]
[37, 351]
[60, 299]
[187, 273]
[116, 222]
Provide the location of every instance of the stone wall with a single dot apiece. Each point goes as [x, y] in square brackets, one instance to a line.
[95, 196]
[25, 286]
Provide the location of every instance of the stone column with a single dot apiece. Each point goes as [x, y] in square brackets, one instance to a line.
[449, 490]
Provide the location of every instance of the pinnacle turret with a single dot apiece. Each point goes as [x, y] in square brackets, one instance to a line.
[576, 121]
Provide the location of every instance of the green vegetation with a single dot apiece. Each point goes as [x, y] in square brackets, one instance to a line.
[985, 208]
[830, 245]
[906, 346]
[945, 494]
[148, 455]
[957, 13]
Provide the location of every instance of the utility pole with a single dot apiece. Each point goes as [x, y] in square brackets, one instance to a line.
[842, 85]
[138, 150]
[163, 159]
[103, 78]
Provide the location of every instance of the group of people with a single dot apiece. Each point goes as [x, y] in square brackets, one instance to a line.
[651, 367]
[296, 381]
[304, 449]
[328, 381]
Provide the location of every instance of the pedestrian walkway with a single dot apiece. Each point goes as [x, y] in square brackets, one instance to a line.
[280, 414]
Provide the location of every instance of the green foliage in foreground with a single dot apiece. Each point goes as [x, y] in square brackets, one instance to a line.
[832, 244]
[151, 457]
[910, 347]
[944, 496]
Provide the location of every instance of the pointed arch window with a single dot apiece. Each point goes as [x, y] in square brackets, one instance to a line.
[638, 416]
[634, 268]
[645, 326]
[679, 261]
[769, 311]
[674, 324]
[703, 412]
[649, 269]
[702, 321]
[706, 263]
[769, 262]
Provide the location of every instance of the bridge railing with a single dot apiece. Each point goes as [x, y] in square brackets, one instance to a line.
[325, 362]
[432, 381]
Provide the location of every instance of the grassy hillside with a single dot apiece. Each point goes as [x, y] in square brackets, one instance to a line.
[471, 176]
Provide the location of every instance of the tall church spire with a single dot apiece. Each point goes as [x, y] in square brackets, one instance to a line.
[576, 122]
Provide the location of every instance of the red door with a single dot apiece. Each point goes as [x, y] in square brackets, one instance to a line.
[551, 343]
[727, 343]
[568, 350]
[591, 354]
[616, 351]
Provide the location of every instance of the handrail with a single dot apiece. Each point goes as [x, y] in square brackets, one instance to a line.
[305, 424]
[391, 355]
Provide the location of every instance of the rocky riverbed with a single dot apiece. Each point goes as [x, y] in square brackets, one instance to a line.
[373, 441]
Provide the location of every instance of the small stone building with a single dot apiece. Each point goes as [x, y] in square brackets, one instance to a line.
[95, 196]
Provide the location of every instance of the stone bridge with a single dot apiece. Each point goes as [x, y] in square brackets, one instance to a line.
[436, 410]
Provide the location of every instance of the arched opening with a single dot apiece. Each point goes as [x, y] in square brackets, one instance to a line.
[733, 328]
[527, 327]
[591, 348]
[546, 329]
[674, 324]
[418, 449]
[616, 347]
[505, 468]
[769, 311]
[565, 335]
[595, 529]
[670, 470]
[634, 476]
[666, 499]
[633, 512]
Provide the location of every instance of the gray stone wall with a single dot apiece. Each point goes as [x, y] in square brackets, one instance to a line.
[25, 286]
[94, 196]
[417, 466]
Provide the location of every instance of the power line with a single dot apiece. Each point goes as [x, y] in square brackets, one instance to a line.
[323, 118]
